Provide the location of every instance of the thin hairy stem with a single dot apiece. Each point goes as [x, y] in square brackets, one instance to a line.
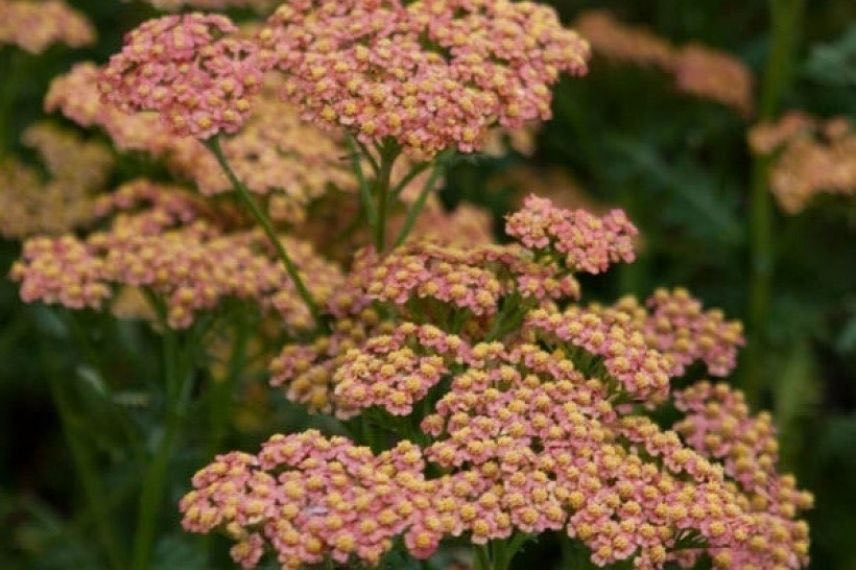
[365, 188]
[419, 204]
[213, 145]
[388, 153]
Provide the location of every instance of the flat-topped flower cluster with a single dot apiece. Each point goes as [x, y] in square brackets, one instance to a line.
[175, 245]
[505, 412]
[431, 75]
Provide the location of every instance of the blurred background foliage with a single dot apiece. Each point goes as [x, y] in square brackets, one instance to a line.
[621, 137]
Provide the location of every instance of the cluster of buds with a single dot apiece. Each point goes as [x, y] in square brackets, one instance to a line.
[396, 370]
[472, 279]
[77, 169]
[193, 70]
[811, 157]
[431, 75]
[35, 26]
[698, 70]
[169, 248]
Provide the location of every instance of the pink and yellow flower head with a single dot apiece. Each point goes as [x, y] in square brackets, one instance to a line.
[192, 70]
[432, 74]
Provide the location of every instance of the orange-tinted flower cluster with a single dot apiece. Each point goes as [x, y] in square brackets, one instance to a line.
[432, 74]
[676, 325]
[698, 70]
[812, 157]
[623, 43]
[307, 369]
[275, 154]
[192, 70]
[587, 243]
[711, 74]
[395, 370]
[76, 170]
[36, 25]
[309, 497]
[535, 427]
[525, 442]
[77, 96]
[171, 249]
[472, 279]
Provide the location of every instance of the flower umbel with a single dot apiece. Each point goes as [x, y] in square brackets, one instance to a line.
[432, 74]
[192, 70]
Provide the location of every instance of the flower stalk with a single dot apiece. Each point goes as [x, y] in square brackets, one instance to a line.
[177, 372]
[786, 17]
[388, 153]
[213, 145]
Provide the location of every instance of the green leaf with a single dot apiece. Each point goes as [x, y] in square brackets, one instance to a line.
[834, 64]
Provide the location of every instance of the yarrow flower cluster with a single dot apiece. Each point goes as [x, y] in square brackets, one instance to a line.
[352, 505]
[620, 42]
[36, 25]
[77, 96]
[526, 443]
[534, 430]
[675, 324]
[275, 155]
[466, 279]
[470, 288]
[193, 70]
[494, 403]
[289, 162]
[432, 74]
[698, 70]
[173, 248]
[588, 243]
[77, 170]
[811, 157]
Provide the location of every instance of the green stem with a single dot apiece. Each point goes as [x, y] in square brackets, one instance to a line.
[369, 156]
[482, 561]
[414, 172]
[786, 17]
[93, 491]
[221, 393]
[213, 145]
[177, 370]
[389, 152]
[365, 190]
[419, 204]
